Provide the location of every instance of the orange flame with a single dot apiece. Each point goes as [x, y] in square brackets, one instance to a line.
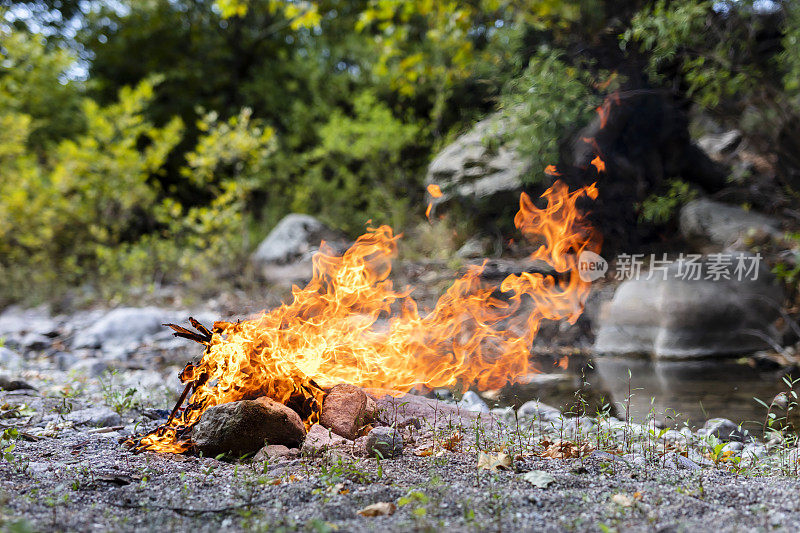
[599, 164]
[551, 170]
[350, 325]
[435, 191]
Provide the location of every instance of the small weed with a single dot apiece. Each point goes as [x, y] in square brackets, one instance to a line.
[118, 398]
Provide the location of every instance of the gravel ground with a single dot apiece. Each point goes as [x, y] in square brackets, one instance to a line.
[82, 479]
[101, 377]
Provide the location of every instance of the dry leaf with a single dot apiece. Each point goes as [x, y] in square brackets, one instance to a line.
[563, 449]
[452, 442]
[623, 500]
[538, 478]
[424, 451]
[378, 509]
[494, 461]
[638, 496]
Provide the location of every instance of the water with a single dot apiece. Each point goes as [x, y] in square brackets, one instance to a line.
[677, 392]
[691, 392]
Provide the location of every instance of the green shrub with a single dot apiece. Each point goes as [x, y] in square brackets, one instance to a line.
[363, 169]
[542, 106]
[661, 208]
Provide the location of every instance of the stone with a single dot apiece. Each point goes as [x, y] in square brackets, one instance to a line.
[27, 329]
[398, 409]
[534, 409]
[713, 224]
[445, 395]
[284, 256]
[754, 450]
[343, 410]
[16, 321]
[686, 319]
[271, 452]
[92, 367]
[9, 384]
[385, 442]
[9, 359]
[320, 439]
[246, 426]
[718, 144]
[123, 326]
[733, 447]
[724, 430]
[470, 170]
[371, 410]
[678, 462]
[100, 416]
[475, 247]
[64, 360]
[472, 402]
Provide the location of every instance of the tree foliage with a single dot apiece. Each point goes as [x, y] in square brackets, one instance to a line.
[159, 140]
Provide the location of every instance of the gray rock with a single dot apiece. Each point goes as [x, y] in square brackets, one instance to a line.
[27, 329]
[246, 426]
[707, 222]
[472, 402]
[9, 384]
[95, 416]
[320, 439]
[92, 367]
[445, 395]
[123, 326]
[534, 409]
[9, 359]
[16, 320]
[385, 441]
[578, 427]
[685, 319]
[717, 144]
[753, 449]
[678, 462]
[284, 256]
[724, 430]
[505, 414]
[474, 247]
[734, 447]
[469, 169]
[272, 452]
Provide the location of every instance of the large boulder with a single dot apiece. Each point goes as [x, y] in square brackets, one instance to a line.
[674, 316]
[247, 426]
[717, 225]
[123, 326]
[284, 256]
[471, 170]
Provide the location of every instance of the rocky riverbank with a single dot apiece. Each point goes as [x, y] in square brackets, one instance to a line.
[73, 395]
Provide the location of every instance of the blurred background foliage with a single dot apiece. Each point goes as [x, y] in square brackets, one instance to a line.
[157, 141]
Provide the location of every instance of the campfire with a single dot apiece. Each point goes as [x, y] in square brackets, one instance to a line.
[350, 325]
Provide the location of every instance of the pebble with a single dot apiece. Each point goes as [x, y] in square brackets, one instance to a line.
[385, 441]
[535, 409]
[472, 402]
[95, 416]
[724, 430]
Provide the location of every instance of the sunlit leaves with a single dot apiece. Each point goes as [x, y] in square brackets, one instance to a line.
[300, 14]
